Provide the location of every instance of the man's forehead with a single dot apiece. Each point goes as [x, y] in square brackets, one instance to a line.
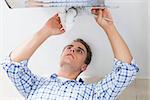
[78, 44]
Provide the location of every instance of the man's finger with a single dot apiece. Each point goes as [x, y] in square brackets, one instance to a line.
[100, 13]
[97, 12]
[56, 15]
[108, 19]
[108, 12]
[62, 30]
[58, 19]
[31, 3]
[107, 15]
[60, 26]
[94, 11]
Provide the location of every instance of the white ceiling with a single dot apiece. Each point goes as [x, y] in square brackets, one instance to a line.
[130, 18]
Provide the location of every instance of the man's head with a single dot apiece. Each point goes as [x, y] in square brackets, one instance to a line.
[88, 49]
[76, 56]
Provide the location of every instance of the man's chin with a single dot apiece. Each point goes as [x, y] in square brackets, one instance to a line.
[66, 62]
[68, 59]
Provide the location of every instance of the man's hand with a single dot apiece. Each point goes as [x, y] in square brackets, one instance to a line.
[103, 17]
[33, 3]
[119, 47]
[53, 26]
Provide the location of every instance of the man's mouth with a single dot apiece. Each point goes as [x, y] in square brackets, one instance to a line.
[70, 55]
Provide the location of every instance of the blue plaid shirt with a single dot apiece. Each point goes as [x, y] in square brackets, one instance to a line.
[33, 87]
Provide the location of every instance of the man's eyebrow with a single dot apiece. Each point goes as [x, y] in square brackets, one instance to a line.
[69, 45]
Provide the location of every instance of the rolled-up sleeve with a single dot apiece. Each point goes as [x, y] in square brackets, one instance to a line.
[115, 82]
[20, 75]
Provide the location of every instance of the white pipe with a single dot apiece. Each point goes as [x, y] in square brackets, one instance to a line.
[68, 18]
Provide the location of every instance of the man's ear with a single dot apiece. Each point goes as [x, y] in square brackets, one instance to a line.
[84, 66]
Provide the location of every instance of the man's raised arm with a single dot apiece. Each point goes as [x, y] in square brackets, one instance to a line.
[124, 67]
[119, 47]
[52, 27]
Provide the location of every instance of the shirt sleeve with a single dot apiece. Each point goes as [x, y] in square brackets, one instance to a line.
[115, 82]
[20, 75]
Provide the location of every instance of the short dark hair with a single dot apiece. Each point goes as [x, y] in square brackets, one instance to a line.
[89, 52]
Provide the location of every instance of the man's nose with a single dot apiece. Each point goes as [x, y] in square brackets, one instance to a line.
[72, 50]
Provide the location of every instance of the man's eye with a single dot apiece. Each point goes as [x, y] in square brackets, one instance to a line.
[79, 51]
[69, 47]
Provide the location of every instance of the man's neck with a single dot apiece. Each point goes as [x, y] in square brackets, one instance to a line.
[67, 74]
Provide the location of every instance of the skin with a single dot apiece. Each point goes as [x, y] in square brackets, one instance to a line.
[119, 47]
[71, 61]
[33, 3]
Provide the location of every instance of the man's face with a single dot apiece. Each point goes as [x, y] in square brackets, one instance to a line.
[74, 56]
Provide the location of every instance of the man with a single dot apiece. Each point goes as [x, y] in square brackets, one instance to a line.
[74, 60]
